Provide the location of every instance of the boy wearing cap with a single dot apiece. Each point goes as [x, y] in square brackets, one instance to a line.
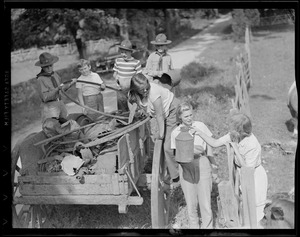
[89, 94]
[158, 62]
[125, 67]
[49, 86]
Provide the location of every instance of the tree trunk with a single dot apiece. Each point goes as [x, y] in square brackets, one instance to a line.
[79, 47]
[150, 36]
[168, 20]
[124, 25]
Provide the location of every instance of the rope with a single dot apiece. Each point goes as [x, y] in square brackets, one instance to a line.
[96, 111]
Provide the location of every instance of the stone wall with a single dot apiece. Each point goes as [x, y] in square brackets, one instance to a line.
[23, 92]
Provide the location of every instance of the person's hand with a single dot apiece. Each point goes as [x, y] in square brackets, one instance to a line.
[198, 150]
[158, 137]
[193, 130]
[140, 113]
[63, 87]
[74, 80]
[102, 86]
[159, 73]
[84, 111]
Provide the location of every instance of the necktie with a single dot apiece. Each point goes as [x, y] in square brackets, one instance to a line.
[160, 61]
[54, 84]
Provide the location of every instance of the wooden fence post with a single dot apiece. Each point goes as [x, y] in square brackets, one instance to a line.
[229, 204]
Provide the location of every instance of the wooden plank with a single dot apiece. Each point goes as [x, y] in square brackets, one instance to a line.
[142, 131]
[79, 200]
[74, 189]
[115, 184]
[123, 154]
[106, 164]
[230, 157]
[134, 138]
[122, 183]
[248, 195]
[89, 179]
[60, 173]
[246, 99]
[229, 204]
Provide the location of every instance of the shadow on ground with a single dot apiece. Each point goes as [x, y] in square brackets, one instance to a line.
[264, 31]
[219, 91]
[266, 97]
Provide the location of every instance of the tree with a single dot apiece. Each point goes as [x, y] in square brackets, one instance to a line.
[241, 19]
[40, 27]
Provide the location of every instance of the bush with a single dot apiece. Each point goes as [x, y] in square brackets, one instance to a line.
[240, 19]
[196, 72]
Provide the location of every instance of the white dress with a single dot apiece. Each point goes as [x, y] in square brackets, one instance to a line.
[250, 150]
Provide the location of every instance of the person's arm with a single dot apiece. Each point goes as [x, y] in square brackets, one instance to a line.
[45, 93]
[149, 69]
[138, 67]
[115, 75]
[158, 107]
[238, 156]
[103, 86]
[80, 98]
[115, 69]
[209, 140]
[167, 64]
[171, 64]
[210, 156]
[101, 82]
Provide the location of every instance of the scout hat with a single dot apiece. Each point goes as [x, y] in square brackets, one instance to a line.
[127, 45]
[46, 59]
[161, 39]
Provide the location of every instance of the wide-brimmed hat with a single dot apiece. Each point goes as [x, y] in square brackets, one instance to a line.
[46, 59]
[127, 45]
[161, 39]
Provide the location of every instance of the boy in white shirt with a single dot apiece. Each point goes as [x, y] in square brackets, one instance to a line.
[89, 94]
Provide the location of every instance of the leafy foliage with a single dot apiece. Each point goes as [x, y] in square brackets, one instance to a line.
[195, 72]
[40, 27]
[242, 18]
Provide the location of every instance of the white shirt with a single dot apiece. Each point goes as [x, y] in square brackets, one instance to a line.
[155, 92]
[152, 65]
[249, 148]
[197, 139]
[89, 89]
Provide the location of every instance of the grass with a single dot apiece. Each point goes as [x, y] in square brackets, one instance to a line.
[211, 96]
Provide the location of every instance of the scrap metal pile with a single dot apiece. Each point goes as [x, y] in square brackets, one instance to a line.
[80, 146]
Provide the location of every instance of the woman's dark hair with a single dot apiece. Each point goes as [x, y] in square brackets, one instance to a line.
[139, 82]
